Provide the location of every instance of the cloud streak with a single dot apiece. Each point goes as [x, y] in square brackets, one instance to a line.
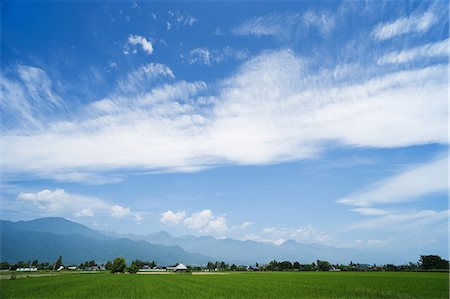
[409, 185]
[437, 49]
[282, 26]
[411, 24]
[58, 201]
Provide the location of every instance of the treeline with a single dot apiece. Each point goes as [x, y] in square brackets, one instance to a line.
[119, 265]
[426, 262]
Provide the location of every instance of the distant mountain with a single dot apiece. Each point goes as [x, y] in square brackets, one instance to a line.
[54, 225]
[45, 239]
[250, 252]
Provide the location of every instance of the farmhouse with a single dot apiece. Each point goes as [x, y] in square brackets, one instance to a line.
[178, 268]
[32, 269]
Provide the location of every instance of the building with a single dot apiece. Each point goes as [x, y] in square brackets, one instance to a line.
[178, 268]
[28, 269]
[181, 268]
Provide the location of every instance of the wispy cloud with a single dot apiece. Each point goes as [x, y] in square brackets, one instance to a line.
[306, 234]
[417, 23]
[26, 97]
[411, 221]
[272, 109]
[409, 185]
[285, 25]
[437, 49]
[208, 57]
[370, 211]
[179, 19]
[59, 202]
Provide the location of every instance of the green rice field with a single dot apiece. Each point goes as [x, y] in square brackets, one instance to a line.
[232, 285]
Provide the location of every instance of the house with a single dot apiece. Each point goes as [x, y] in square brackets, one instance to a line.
[178, 268]
[95, 268]
[147, 268]
[72, 268]
[334, 270]
[31, 269]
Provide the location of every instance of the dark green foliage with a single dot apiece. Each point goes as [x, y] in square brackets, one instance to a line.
[323, 265]
[108, 266]
[119, 265]
[428, 262]
[58, 263]
[4, 265]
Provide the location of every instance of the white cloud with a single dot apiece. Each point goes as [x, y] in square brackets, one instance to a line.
[138, 218]
[411, 24]
[283, 26]
[246, 224]
[144, 78]
[409, 185]
[271, 109]
[306, 234]
[86, 212]
[437, 49]
[180, 19]
[145, 44]
[203, 221]
[258, 238]
[170, 217]
[119, 211]
[370, 211]
[373, 242]
[59, 201]
[26, 97]
[112, 65]
[207, 57]
[410, 221]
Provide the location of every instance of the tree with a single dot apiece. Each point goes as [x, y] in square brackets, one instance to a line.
[428, 262]
[4, 265]
[108, 266]
[135, 266]
[323, 265]
[58, 263]
[118, 265]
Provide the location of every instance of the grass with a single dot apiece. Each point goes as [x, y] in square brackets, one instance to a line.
[233, 285]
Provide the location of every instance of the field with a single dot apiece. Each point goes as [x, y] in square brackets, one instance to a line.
[232, 285]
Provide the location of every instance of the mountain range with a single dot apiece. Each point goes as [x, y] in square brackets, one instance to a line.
[47, 238]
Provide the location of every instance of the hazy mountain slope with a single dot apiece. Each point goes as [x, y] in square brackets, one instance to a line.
[19, 243]
[249, 252]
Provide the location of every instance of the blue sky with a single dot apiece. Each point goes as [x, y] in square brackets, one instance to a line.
[321, 122]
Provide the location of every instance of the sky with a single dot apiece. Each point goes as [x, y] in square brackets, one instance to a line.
[319, 122]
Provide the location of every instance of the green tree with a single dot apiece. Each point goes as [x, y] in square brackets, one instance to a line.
[428, 262]
[58, 263]
[4, 265]
[119, 265]
[108, 266]
[323, 265]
